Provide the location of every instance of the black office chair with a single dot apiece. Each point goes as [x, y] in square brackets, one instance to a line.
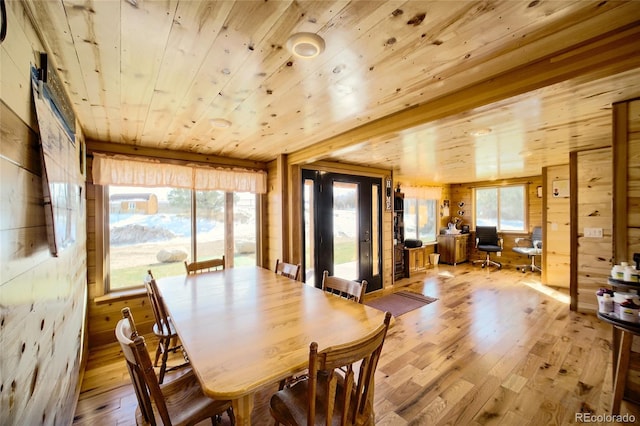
[530, 247]
[488, 241]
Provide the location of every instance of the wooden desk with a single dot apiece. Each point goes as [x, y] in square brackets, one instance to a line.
[247, 327]
[453, 248]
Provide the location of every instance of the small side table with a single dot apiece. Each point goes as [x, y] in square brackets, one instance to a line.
[623, 332]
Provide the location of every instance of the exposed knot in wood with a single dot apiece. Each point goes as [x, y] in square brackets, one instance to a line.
[397, 12]
[594, 213]
[534, 3]
[392, 40]
[417, 20]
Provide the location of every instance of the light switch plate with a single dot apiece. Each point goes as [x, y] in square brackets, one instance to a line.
[593, 232]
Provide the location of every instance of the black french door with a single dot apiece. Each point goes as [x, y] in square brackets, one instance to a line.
[342, 227]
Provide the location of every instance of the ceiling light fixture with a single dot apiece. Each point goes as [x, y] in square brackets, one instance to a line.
[305, 45]
[220, 123]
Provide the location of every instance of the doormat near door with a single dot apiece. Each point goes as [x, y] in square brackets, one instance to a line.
[400, 302]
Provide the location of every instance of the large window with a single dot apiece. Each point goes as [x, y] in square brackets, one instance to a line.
[420, 219]
[158, 228]
[503, 207]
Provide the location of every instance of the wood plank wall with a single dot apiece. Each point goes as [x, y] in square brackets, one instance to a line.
[273, 237]
[594, 210]
[42, 298]
[556, 259]
[464, 193]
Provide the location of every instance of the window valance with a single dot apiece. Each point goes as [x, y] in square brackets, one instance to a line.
[423, 192]
[127, 171]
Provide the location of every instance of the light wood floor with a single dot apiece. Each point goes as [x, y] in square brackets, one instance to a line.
[492, 350]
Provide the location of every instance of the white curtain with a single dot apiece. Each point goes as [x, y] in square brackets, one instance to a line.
[122, 170]
[423, 192]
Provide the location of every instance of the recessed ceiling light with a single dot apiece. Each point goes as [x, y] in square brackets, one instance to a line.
[305, 45]
[220, 123]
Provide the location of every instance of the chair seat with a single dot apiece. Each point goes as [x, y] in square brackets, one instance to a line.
[289, 405]
[527, 251]
[167, 330]
[199, 406]
[489, 247]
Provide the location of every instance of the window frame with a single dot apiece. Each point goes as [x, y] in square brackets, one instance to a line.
[103, 269]
[417, 216]
[525, 201]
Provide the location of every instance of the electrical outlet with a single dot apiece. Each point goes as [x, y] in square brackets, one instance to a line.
[499, 254]
[593, 232]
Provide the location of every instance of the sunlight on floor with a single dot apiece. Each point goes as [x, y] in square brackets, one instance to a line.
[446, 274]
[559, 296]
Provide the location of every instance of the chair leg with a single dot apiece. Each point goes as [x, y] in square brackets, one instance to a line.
[489, 262]
[165, 356]
[158, 352]
[529, 267]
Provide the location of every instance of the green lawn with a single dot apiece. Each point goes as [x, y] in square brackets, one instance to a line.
[134, 276]
[344, 252]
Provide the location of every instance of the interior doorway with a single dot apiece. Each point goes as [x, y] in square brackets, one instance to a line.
[342, 227]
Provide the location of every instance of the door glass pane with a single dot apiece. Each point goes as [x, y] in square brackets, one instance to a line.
[375, 229]
[209, 224]
[149, 228]
[244, 229]
[345, 230]
[309, 237]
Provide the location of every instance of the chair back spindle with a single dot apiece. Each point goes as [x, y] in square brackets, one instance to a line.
[204, 265]
[181, 401]
[333, 393]
[288, 270]
[348, 289]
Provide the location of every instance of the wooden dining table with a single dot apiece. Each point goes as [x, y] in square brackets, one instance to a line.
[246, 327]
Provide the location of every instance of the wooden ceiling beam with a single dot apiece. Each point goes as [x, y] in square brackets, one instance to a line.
[169, 156]
[607, 55]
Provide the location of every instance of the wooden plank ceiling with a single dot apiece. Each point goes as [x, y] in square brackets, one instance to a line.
[437, 91]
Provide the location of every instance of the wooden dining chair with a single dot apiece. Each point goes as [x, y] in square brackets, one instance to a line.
[179, 402]
[348, 289]
[204, 265]
[288, 270]
[164, 330]
[334, 394]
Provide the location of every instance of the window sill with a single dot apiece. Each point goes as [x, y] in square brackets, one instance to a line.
[117, 296]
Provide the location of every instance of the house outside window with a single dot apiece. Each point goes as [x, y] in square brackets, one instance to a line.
[159, 228]
[504, 207]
